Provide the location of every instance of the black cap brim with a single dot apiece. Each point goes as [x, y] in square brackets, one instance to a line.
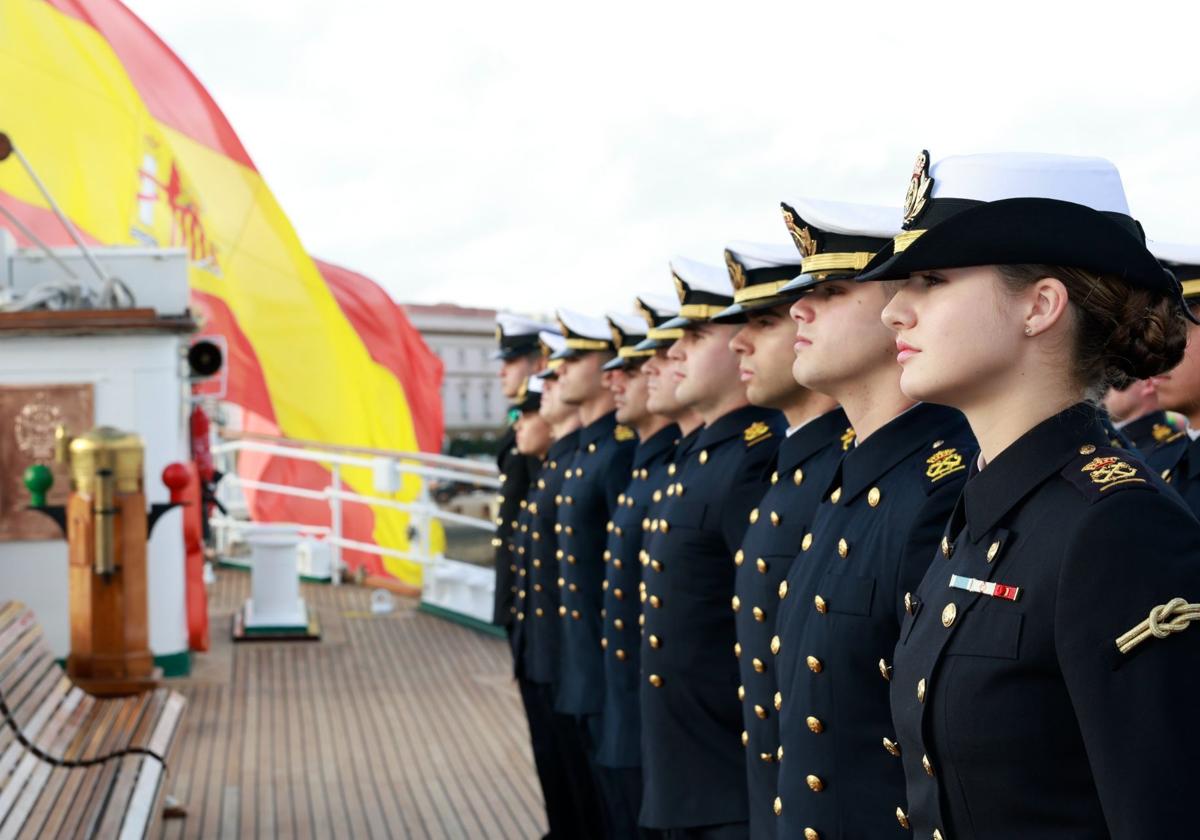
[739, 312]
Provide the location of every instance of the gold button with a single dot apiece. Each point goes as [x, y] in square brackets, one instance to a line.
[885, 670]
[575, 614]
[655, 602]
[604, 643]
[656, 565]
[820, 604]
[836, 495]
[814, 664]
[901, 817]
[662, 525]
[760, 712]
[737, 649]
[610, 527]
[562, 611]
[621, 655]
[737, 603]
[798, 476]
[775, 645]
[937, 835]
[766, 757]
[814, 725]
[921, 690]
[814, 783]
[843, 547]
[927, 765]
[759, 615]
[783, 589]
[993, 550]
[679, 488]
[703, 456]
[761, 565]
[739, 558]
[617, 563]
[591, 448]
[806, 543]
[1087, 449]
[657, 496]
[571, 587]
[520, 616]
[618, 594]
[948, 614]
[741, 692]
[891, 746]
[775, 477]
[759, 665]
[908, 602]
[618, 623]
[656, 680]
[778, 806]
[538, 612]
[778, 701]
[811, 834]
[753, 516]
[945, 547]
[873, 496]
[646, 523]
[655, 641]
[671, 470]
[775, 520]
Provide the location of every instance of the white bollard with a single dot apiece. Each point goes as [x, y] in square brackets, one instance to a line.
[275, 601]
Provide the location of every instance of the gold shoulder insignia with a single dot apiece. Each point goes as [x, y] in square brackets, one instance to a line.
[1174, 437]
[1161, 432]
[942, 463]
[1109, 471]
[848, 438]
[756, 432]
[623, 433]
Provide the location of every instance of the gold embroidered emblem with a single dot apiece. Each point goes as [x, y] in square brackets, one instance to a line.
[1161, 432]
[645, 312]
[617, 336]
[499, 333]
[563, 328]
[1110, 471]
[680, 287]
[737, 274]
[806, 243]
[919, 186]
[756, 431]
[847, 439]
[942, 463]
[624, 433]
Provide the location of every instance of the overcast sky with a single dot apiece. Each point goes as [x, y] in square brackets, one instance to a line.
[530, 155]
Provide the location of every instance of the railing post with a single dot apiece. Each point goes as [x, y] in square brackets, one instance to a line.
[335, 525]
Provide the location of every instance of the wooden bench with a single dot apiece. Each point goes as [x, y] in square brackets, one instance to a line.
[74, 765]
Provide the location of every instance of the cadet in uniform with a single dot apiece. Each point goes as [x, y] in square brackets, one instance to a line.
[870, 541]
[1177, 458]
[691, 752]
[619, 752]
[1045, 674]
[801, 468]
[520, 356]
[1137, 415]
[587, 502]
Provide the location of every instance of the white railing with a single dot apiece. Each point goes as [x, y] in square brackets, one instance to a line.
[389, 470]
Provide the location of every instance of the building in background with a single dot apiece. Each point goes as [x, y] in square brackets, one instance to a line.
[473, 405]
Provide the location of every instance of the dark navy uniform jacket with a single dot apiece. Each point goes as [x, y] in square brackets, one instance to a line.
[799, 474]
[1177, 461]
[586, 503]
[621, 728]
[1146, 433]
[515, 472]
[872, 539]
[693, 766]
[537, 633]
[1016, 713]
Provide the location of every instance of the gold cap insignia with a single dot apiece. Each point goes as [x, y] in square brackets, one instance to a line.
[680, 287]
[499, 333]
[623, 433]
[943, 463]
[737, 274]
[1110, 471]
[806, 242]
[617, 336]
[919, 186]
[563, 328]
[644, 311]
[848, 438]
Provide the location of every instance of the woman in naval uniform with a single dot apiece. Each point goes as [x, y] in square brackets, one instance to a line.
[1045, 679]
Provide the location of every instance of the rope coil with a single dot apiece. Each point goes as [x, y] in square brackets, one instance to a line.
[1165, 619]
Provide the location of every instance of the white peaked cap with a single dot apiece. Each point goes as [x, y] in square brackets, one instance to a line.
[848, 218]
[663, 305]
[585, 326]
[754, 255]
[701, 277]
[628, 324]
[1174, 252]
[513, 324]
[553, 339]
[1090, 181]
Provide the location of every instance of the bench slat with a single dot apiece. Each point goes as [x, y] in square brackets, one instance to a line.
[59, 686]
[146, 802]
[28, 779]
[127, 767]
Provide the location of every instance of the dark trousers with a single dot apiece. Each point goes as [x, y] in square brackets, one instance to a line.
[622, 796]
[728, 831]
[548, 758]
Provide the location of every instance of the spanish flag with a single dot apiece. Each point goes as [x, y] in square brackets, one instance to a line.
[136, 152]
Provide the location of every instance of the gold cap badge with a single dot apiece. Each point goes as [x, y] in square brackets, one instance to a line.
[919, 186]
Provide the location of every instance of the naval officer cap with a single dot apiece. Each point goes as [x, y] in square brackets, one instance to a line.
[836, 239]
[1183, 261]
[516, 336]
[584, 334]
[551, 342]
[628, 331]
[657, 310]
[703, 292]
[1014, 209]
[759, 272]
[529, 397]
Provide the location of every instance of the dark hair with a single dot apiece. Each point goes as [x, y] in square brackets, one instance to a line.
[1122, 332]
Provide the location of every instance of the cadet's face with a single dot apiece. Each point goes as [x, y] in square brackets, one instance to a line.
[554, 410]
[629, 394]
[533, 434]
[957, 334]
[765, 356]
[706, 369]
[580, 378]
[659, 371]
[513, 372]
[1179, 390]
[838, 337]
[1132, 401]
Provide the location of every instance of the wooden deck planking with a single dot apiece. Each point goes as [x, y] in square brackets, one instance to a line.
[402, 725]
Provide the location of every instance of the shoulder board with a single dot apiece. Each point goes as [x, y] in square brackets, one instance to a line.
[848, 438]
[1101, 472]
[756, 433]
[624, 433]
[942, 463]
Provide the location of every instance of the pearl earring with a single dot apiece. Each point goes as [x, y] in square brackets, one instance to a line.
[1029, 331]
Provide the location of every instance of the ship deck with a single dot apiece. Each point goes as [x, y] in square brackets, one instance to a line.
[396, 725]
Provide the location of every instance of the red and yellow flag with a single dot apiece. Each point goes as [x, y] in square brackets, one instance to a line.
[136, 152]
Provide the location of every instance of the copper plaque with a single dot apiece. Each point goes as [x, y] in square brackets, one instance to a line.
[29, 415]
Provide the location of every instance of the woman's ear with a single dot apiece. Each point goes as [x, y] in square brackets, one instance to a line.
[1047, 304]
